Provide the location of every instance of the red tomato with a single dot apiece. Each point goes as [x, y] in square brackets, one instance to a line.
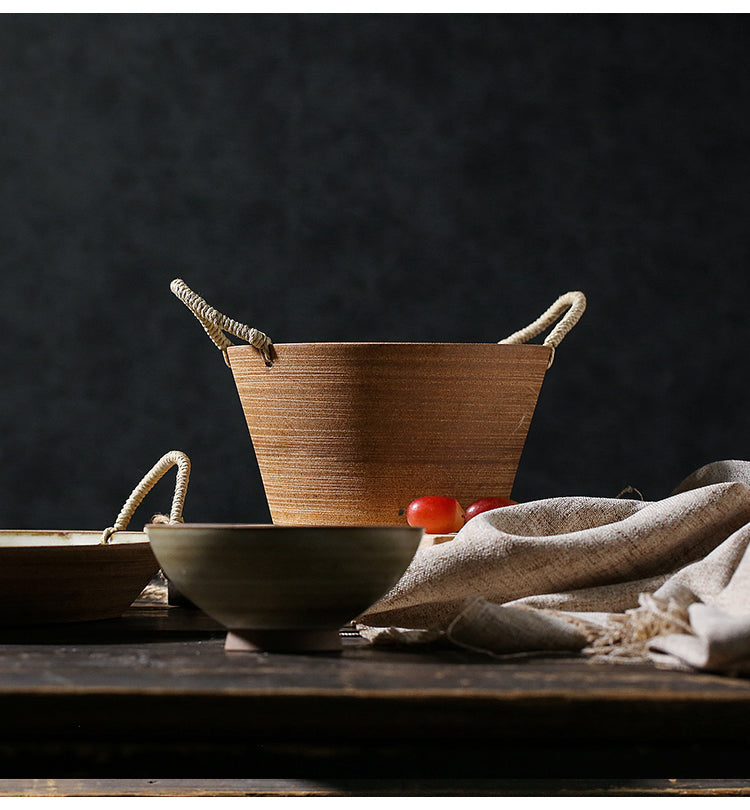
[436, 514]
[485, 504]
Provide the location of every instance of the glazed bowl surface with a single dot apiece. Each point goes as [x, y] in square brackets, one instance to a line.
[283, 587]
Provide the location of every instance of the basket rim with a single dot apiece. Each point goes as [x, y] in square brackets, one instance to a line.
[66, 539]
[354, 343]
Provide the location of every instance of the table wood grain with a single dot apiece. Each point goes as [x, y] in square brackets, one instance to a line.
[201, 788]
[154, 695]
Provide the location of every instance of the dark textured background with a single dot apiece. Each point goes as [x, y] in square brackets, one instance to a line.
[365, 177]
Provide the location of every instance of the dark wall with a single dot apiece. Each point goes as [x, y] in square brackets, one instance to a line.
[366, 178]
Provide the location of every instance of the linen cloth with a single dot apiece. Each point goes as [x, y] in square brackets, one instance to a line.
[617, 579]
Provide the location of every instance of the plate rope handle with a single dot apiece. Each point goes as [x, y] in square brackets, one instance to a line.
[166, 462]
[215, 324]
[572, 304]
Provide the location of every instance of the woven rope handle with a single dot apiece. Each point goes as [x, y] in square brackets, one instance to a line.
[166, 462]
[572, 304]
[215, 324]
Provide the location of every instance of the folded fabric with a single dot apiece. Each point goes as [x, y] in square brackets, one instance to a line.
[612, 578]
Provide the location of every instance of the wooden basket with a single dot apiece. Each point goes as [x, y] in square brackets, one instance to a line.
[351, 433]
[49, 576]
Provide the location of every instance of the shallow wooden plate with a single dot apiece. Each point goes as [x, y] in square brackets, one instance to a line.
[70, 576]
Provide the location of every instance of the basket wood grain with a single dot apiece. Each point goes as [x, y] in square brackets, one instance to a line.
[351, 433]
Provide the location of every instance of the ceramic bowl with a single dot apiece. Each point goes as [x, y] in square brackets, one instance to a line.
[283, 587]
[69, 576]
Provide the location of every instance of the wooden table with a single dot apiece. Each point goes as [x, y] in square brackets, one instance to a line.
[152, 704]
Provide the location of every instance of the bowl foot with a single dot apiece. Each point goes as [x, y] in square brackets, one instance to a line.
[294, 640]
